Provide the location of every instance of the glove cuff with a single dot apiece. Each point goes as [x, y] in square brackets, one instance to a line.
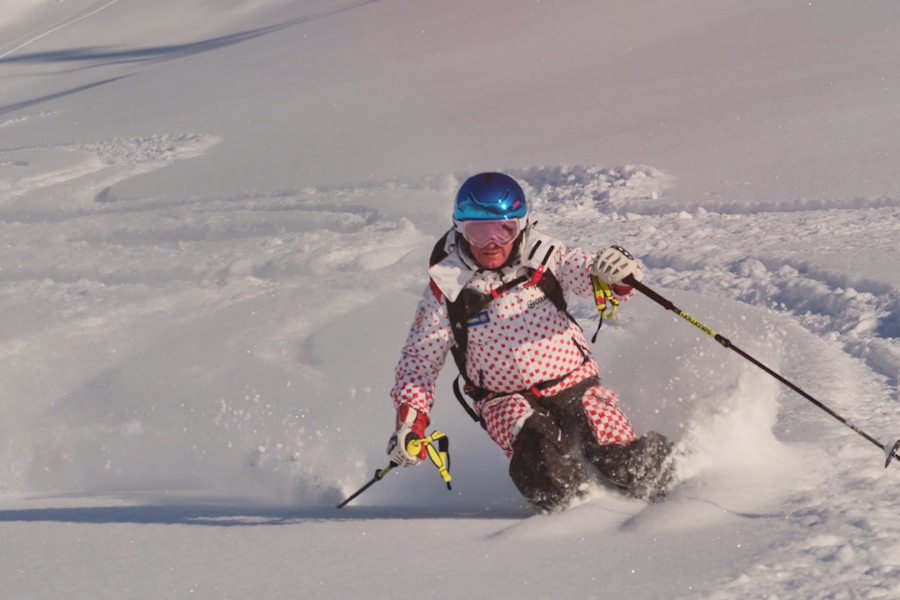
[416, 421]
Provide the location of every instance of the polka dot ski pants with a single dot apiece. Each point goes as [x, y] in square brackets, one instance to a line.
[550, 439]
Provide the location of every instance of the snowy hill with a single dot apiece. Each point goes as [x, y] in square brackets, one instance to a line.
[215, 223]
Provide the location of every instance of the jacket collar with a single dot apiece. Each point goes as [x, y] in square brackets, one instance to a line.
[453, 273]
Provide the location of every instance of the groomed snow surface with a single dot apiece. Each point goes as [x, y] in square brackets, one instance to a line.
[214, 225]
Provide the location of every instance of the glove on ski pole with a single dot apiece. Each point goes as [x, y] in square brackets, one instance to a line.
[890, 449]
[440, 457]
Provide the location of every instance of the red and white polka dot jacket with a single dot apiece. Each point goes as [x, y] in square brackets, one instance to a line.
[519, 341]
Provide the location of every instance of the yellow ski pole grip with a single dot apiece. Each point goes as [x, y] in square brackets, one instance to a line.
[440, 459]
[414, 446]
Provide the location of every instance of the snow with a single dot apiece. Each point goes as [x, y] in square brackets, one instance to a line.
[215, 221]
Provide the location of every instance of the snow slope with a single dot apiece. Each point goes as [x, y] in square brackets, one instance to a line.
[215, 221]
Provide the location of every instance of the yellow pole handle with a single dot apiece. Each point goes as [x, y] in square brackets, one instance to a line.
[604, 299]
[414, 447]
[440, 461]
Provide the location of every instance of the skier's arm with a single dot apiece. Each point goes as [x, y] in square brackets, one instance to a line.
[573, 272]
[421, 360]
[423, 355]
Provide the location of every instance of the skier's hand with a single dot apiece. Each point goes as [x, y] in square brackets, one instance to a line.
[411, 425]
[614, 264]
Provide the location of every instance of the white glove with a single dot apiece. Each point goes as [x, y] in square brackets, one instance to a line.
[614, 264]
[411, 424]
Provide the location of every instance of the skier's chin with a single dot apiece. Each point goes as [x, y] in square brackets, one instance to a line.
[492, 256]
[491, 262]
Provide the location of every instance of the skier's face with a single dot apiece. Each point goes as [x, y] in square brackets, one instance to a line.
[493, 255]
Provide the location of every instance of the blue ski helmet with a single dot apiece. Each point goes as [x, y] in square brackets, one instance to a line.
[490, 197]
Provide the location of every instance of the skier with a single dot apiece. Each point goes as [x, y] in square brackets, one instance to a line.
[496, 301]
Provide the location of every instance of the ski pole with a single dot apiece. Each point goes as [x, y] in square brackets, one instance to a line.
[440, 458]
[890, 449]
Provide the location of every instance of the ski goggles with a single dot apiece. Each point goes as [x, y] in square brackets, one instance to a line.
[482, 233]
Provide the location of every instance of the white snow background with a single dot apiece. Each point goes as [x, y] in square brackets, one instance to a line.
[215, 219]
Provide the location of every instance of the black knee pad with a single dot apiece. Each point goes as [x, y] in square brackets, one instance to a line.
[651, 466]
[543, 467]
[641, 468]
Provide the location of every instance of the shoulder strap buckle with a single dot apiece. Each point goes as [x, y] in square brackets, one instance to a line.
[536, 276]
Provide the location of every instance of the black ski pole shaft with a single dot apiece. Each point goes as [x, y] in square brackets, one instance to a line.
[378, 476]
[668, 305]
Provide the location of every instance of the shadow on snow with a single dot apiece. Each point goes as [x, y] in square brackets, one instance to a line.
[215, 514]
[20, 105]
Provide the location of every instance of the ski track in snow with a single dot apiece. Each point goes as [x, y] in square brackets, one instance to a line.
[97, 266]
[99, 263]
[76, 16]
[26, 118]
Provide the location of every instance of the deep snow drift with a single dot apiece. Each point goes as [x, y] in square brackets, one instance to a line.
[215, 224]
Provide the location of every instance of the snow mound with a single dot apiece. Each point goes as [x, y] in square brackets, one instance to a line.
[607, 190]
